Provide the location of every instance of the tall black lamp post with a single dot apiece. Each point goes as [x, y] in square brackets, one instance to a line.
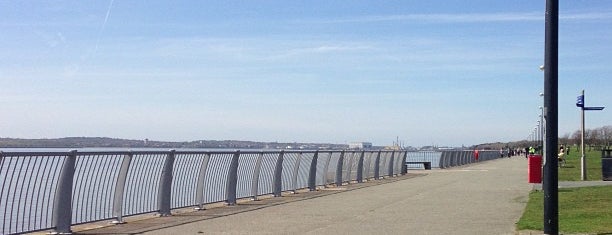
[551, 84]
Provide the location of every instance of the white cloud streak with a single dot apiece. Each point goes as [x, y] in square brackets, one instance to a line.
[467, 18]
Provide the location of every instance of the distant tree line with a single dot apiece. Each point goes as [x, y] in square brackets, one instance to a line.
[597, 137]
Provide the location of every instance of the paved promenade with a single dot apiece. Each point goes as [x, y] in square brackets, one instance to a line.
[482, 198]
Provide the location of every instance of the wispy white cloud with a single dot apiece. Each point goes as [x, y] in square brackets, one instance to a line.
[466, 18]
[586, 16]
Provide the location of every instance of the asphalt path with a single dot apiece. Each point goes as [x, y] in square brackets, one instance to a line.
[482, 198]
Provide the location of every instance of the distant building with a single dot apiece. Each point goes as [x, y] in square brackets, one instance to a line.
[360, 145]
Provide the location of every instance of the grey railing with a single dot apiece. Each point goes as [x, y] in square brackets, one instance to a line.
[55, 190]
[448, 158]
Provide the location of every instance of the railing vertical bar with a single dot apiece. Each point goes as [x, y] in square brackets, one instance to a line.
[90, 183]
[390, 166]
[179, 173]
[136, 188]
[100, 167]
[110, 193]
[44, 164]
[2, 181]
[232, 180]
[62, 207]
[377, 166]
[278, 174]
[25, 204]
[120, 188]
[403, 162]
[132, 189]
[58, 166]
[101, 202]
[201, 179]
[16, 200]
[77, 187]
[95, 183]
[312, 175]
[360, 167]
[152, 174]
[165, 185]
[6, 179]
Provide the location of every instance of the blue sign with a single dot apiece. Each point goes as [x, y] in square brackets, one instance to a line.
[580, 101]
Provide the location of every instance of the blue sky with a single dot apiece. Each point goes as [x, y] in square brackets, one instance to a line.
[431, 72]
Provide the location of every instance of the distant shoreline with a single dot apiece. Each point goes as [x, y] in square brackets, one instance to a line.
[105, 142]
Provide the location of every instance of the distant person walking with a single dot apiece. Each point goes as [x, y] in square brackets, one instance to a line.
[531, 150]
[476, 154]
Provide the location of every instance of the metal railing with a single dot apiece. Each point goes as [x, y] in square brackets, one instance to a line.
[448, 158]
[55, 190]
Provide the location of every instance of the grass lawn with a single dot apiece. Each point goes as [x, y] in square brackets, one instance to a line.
[571, 170]
[581, 210]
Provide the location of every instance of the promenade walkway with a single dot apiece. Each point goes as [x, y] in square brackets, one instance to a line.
[482, 198]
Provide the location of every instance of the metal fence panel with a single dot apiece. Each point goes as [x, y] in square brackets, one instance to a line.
[185, 179]
[27, 191]
[246, 168]
[143, 183]
[289, 161]
[216, 177]
[94, 184]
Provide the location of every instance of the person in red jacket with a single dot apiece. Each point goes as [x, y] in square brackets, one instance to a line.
[476, 154]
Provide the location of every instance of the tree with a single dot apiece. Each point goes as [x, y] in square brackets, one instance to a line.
[606, 135]
[576, 137]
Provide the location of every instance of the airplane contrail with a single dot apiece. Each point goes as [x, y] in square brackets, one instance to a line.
[110, 6]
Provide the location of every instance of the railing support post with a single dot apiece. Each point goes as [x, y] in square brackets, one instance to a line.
[62, 206]
[120, 188]
[377, 166]
[391, 164]
[339, 169]
[278, 175]
[360, 167]
[403, 162]
[200, 187]
[232, 180]
[165, 186]
[312, 175]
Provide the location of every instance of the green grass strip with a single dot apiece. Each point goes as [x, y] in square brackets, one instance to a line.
[581, 210]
